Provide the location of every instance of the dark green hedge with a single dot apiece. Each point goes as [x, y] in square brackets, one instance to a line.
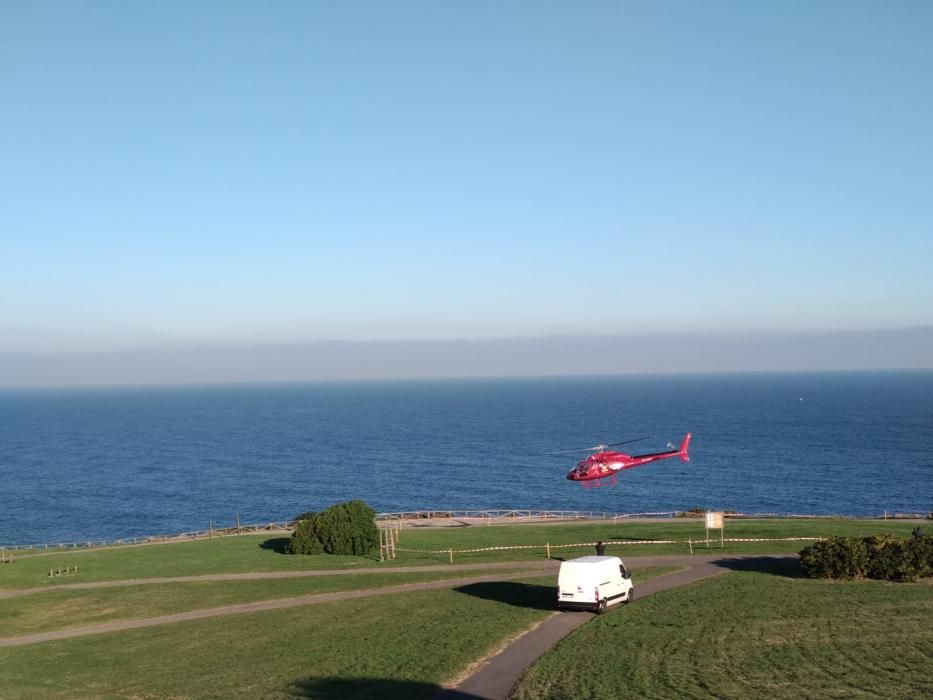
[883, 557]
[304, 538]
[344, 528]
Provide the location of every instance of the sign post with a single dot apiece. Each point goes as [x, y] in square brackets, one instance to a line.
[714, 520]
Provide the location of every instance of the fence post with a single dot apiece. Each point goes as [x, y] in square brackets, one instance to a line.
[690, 544]
[451, 555]
[238, 523]
[548, 550]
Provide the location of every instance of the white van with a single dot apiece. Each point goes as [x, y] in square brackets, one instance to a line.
[593, 583]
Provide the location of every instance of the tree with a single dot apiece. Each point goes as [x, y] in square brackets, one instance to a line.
[344, 528]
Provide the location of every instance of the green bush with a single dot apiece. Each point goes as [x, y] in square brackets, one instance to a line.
[883, 557]
[837, 557]
[921, 550]
[305, 539]
[345, 528]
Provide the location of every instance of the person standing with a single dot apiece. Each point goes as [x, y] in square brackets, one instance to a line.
[600, 548]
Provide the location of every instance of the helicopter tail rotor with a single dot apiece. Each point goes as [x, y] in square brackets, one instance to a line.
[684, 457]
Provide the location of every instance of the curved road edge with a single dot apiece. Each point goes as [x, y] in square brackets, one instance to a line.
[501, 673]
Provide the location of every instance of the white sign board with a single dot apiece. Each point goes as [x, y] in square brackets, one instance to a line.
[714, 520]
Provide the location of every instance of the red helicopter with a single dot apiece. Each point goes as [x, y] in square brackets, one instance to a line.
[607, 463]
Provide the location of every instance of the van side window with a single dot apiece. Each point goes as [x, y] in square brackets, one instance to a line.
[623, 571]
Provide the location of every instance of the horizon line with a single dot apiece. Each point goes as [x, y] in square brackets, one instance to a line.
[552, 356]
[454, 378]
[195, 345]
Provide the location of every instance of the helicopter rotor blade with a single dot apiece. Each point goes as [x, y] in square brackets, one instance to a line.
[625, 442]
[596, 448]
[579, 449]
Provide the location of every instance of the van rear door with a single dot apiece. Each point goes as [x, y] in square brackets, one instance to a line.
[576, 585]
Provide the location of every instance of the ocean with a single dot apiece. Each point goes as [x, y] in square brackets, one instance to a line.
[104, 464]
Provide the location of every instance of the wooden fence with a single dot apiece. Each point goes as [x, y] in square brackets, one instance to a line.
[547, 547]
[517, 515]
[409, 517]
[282, 526]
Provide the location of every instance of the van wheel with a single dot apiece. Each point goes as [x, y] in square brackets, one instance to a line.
[601, 607]
[631, 594]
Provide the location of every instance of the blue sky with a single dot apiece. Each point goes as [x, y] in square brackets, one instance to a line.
[225, 172]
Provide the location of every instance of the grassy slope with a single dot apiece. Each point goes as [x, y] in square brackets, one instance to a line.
[222, 555]
[399, 646]
[751, 635]
[63, 609]
[250, 553]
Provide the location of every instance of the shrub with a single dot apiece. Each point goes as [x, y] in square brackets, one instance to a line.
[883, 557]
[921, 552]
[890, 559]
[305, 539]
[838, 557]
[345, 528]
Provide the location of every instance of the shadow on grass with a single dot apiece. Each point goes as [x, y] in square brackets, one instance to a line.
[785, 566]
[521, 595]
[276, 544]
[371, 688]
[280, 546]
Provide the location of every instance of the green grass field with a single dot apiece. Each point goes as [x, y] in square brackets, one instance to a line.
[256, 553]
[398, 646]
[743, 634]
[620, 537]
[63, 609]
[748, 635]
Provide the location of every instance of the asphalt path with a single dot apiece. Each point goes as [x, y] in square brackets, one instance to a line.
[495, 679]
